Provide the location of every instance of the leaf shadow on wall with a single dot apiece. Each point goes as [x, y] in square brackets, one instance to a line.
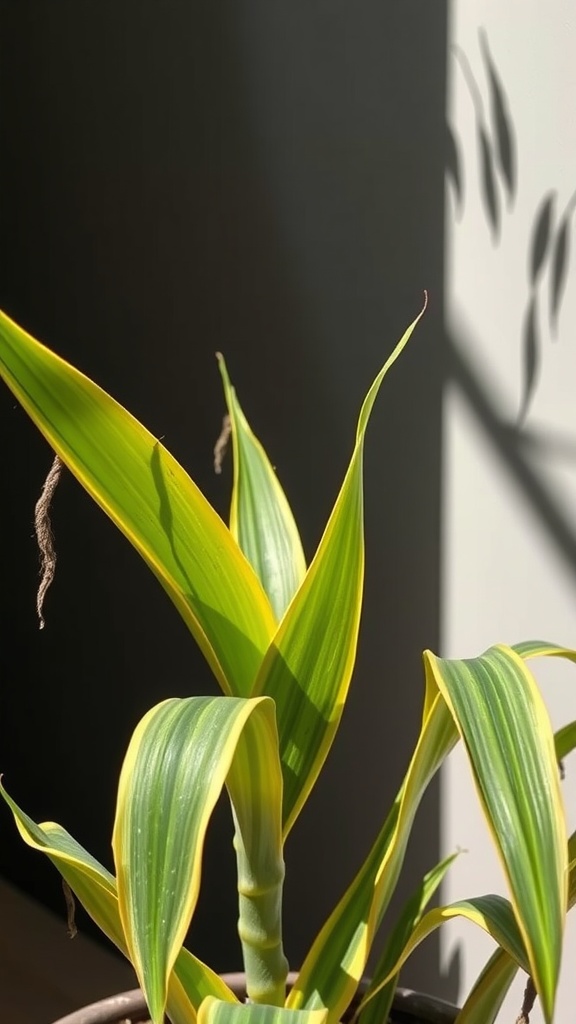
[550, 240]
[549, 255]
[515, 449]
[495, 136]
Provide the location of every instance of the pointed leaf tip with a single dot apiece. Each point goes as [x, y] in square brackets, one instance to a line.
[261, 520]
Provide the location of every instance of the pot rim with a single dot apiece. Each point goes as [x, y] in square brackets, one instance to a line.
[113, 1008]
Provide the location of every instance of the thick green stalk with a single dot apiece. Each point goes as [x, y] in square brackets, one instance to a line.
[260, 925]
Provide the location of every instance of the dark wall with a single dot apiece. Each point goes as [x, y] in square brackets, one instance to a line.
[266, 179]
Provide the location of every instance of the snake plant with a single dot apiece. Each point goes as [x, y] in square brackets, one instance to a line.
[280, 637]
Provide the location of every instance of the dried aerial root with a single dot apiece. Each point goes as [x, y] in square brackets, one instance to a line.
[70, 909]
[44, 535]
[528, 1002]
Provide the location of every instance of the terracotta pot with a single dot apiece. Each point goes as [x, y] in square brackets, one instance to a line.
[408, 1008]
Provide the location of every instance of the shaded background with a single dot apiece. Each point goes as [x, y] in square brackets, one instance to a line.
[265, 179]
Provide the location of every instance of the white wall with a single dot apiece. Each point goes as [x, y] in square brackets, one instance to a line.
[509, 522]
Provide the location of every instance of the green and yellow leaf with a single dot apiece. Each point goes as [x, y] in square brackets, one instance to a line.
[261, 519]
[496, 917]
[308, 666]
[376, 1002]
[542, 648]
[337, 960]
[213, 1011]
[506, 731]
[492, 913]
[152, 500]
[191, 980]
[494, 702]
[180, 756]
[485, 999]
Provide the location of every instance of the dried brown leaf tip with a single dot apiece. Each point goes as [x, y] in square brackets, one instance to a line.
[222, 443]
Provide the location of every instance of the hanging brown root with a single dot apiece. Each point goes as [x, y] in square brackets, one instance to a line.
[44, 535]
[70, 909]
[528, 1002]
[222, 444]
